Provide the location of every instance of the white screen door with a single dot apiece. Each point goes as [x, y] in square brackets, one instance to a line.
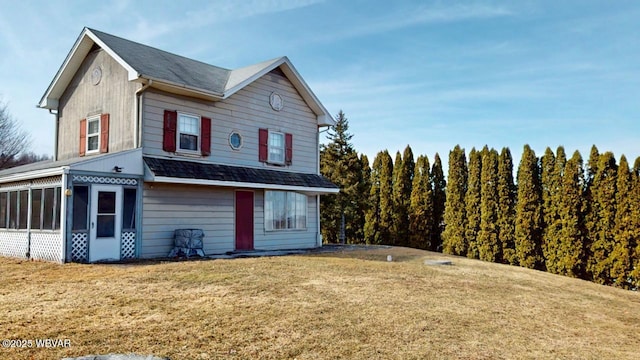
[106, 223]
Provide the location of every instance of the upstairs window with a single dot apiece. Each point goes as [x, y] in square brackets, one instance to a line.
[94, 135]
[275, 147]
[186, 133]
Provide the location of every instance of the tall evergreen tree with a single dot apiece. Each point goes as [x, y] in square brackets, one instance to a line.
[552, 168]
[372, 216]
[488, 245]
[386, 199]
[402, 180]
[362, 202]
[453, 238]
[528, 214]
[635, 210]
[439, 186]
[625, 231]
[604, 212]
[571, 257]
[506, 207]
[421, 207]
[590, 231]
[472, 203]
[339, 163]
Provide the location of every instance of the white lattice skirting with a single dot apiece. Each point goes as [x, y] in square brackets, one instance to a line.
[14, 244]
[79, 247]
[46, 246]
[128, 247]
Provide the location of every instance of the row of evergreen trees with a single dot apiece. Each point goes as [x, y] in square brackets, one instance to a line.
[562, 216]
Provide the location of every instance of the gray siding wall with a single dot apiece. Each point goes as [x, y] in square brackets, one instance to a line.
[113, 95]
[170, 206]
[246, 112]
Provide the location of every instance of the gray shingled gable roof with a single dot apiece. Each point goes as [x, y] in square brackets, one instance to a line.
[154, 63]
[174, 73]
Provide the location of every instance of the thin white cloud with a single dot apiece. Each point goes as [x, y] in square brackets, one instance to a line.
[426, 14]
[214, 12]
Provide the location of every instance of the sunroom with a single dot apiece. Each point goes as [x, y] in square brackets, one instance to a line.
[82, 211]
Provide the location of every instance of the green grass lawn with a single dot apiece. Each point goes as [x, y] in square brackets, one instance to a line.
[347, 304]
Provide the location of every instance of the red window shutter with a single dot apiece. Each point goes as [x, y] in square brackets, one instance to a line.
[263, 147]
[83, 137]
[104, 133]
[170, 128]
[288, 148]
[205, 131]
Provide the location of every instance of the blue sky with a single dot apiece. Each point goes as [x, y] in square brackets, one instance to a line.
[431, 74]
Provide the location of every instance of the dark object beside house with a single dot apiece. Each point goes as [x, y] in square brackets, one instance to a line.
[187, 242]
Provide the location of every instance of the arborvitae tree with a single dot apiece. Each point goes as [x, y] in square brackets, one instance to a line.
[590, 231]
[386, 199]
[339, 163]
[372, 216]
[402, 179]
[506, 207]
[453, 240]
[552, 168]
[472, 203]
[571, 258]
[549, 211]
[604, 212]
[439, 186]
[421, 208]
[625, 231]
[488, 245]
[364, 189]
[635, 210]
[528, 215]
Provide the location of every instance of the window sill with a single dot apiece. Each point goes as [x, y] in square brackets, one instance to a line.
[285, 230]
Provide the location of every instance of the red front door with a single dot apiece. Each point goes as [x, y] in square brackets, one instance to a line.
[244, 220]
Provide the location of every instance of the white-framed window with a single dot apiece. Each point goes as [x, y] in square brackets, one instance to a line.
[235, 140]
[188, 132]
[276, 147]
[93, 134]
[285, 210]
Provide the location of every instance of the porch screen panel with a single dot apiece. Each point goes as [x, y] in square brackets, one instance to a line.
[23, 206]
[36, 208]
[13, 210]
[129, 209]
[3, 210]
[80, 207]
[47, 214]
[56, 208]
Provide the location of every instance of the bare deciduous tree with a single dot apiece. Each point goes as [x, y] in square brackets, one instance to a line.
[13, 139]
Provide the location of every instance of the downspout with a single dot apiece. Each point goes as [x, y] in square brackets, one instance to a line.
[138, 111]
[65, 193]
[29, 210]
[319, 234]
[55, 148]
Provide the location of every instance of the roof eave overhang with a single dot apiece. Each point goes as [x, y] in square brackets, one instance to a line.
[35, 174]
[237, 184]
[323, 116]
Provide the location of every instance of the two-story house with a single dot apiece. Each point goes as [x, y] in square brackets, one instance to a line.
[148, 142]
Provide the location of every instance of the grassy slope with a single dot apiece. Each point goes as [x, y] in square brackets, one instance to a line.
[351, 304]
